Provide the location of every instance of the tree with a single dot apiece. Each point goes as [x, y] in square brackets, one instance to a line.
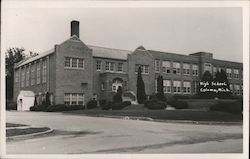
[118, 96]
[205, 85]
[221, 77]
[47, 99]
[141, 95]
[13, 55]
[160, 93]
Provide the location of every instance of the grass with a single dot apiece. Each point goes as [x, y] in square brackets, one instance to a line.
[15, 132]
[14, 125]
[194, 115]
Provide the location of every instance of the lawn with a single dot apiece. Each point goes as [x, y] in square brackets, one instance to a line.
[15, 132]
[193, 115]
[14, 125]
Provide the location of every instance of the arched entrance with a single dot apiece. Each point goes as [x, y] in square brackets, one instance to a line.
[116, 83]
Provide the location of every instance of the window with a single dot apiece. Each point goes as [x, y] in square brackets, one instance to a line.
[17, 76]
[110, 66]
[237, 89]
[207, 67]
[102, 86]
[177, 86]
[241, 89]
[74, 98]
[214, 70]
[231, 87]
[186, 87]
[236, 73]
[166, 86]
[195, 86]
[23, 78]
[81, 63]
[166, 66]
[75, 63]
[195, 70]
[157, 65]
[67, 98]
[80, 99]
[27, 76]
[44, 71]
[116, 84]
[38, 73]
[186, 69]
[98, 65]
[144, 69]
[120, 67]
[176, 68]
[229, 72]
[32, 82]
[67, 62]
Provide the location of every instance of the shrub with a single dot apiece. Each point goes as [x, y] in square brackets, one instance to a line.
[92, 104]
[126, 103]
[230, 107]
[121, 105]
[102, 102]
[62, 107]
[38, 108]
[118, 96]
[178, 104]
[11, 105]
[141, 94]
[116, 106]
[107, 106]
[56, 108]
[179, 96]
[155, 104]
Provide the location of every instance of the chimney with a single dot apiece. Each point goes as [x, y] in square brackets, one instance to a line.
[75, 28]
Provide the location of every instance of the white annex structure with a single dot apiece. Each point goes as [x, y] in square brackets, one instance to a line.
[25, 100]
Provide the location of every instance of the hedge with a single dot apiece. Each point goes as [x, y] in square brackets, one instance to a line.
[230, 107]
[11, 105]
[92, 104]
[56, 108]
[178, 104]
[115, 106]
[155, 104]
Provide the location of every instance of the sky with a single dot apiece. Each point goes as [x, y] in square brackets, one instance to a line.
[177, 30]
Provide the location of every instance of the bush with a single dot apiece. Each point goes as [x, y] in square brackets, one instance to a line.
[38, 108]
[126, 103]
[121, 105]
[102, 102]
[178, 104]
[11, 105]
[230, 107]
[62, 107]
[118, 96]
[155, 104]
[116, 106]
[107, 106]
[179, 96]
[92, 104]
[56, 108]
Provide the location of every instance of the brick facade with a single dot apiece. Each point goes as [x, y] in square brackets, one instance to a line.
[72, 69]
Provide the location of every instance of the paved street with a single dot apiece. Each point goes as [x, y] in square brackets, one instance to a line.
[80, 134]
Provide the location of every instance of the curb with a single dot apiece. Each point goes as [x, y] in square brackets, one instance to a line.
[171, 121]
[18, 127]
[29, 135]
